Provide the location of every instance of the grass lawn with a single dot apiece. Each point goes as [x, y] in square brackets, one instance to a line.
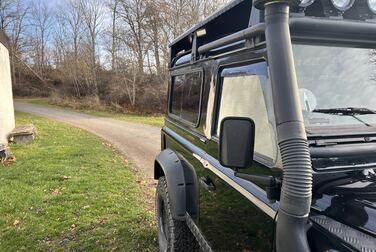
[68, 191]
[145, 119]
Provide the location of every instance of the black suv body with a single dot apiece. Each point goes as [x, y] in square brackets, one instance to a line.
[269, 142]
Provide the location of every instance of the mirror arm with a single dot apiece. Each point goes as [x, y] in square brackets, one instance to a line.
[273, 185]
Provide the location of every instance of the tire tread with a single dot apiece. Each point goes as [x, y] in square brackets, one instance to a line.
[180, 238]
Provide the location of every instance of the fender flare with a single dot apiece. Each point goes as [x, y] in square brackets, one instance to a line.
[181, 183]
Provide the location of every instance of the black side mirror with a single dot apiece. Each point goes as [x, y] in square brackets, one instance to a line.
[236, 142]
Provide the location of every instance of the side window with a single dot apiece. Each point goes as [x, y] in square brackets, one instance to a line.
[243, 93]
[186, 96]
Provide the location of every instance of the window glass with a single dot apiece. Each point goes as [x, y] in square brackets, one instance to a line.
[335, 77]
[242, 95]
[186, 95]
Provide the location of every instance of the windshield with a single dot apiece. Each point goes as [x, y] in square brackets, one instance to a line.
[335, 79]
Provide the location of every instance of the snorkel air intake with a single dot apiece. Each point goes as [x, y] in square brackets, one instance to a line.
[296, 195]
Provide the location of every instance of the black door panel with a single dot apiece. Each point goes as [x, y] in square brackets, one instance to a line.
[230, 222]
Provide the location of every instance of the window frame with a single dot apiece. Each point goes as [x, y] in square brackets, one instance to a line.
[260, 158]
[181, 72]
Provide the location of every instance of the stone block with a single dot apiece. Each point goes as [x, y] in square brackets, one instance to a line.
[23, 135]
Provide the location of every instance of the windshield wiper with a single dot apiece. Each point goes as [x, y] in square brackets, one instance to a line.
[346, 111]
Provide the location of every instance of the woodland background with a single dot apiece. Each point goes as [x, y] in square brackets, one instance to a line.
[98, 54]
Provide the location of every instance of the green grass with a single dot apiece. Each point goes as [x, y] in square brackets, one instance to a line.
[154, 120]
[67, 191]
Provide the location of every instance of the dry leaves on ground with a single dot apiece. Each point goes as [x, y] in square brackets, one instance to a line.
[7, 161]
[16, 223]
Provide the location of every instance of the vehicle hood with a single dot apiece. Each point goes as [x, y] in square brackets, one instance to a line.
[353, 204]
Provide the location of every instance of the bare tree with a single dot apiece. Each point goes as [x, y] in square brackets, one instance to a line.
[113, 6]
[12, 16]
[174, 17]
[59, 40]
[92, 13]
[42, 22]
[6, 13]
[208, 7]
[154, 26]
[133, 13]
[72, 14]
[71, 31]
[17, 28]
[180, 15]
[131, 83]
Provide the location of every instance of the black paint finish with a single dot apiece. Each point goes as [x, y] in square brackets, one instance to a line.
[234, 214]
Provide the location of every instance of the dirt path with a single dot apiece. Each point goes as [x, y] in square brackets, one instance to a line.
[138, 142]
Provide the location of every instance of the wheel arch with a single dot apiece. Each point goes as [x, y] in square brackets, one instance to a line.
[181, 182]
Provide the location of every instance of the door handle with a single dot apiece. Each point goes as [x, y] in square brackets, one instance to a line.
[207, 183]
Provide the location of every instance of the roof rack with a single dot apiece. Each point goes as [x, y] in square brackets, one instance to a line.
[217, 26]
[240, 21]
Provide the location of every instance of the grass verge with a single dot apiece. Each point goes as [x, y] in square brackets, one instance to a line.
[154, 120]
[68, 191]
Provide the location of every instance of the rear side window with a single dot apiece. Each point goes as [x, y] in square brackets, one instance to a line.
[186, 96]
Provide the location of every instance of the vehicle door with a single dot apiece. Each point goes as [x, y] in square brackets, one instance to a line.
[234, 214]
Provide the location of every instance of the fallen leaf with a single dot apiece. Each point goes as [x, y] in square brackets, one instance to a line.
[16, 223]
[7, 161]
[66, 177]
[55, 192]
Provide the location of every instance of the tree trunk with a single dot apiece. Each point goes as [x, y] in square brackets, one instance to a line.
[114, 47]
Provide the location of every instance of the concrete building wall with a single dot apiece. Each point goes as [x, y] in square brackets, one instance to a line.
[7, 122]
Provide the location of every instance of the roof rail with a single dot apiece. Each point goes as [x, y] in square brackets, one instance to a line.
[252, 31]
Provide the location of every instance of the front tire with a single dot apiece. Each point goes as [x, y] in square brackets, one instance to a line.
[173, 235]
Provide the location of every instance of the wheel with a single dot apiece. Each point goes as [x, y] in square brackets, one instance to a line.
[173, 235]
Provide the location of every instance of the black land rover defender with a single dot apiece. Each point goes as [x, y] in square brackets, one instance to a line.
[269, 142]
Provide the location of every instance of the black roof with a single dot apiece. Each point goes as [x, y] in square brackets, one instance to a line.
[230, 19]
[4, 39]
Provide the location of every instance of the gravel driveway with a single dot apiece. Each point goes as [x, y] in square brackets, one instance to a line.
[138, 142]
